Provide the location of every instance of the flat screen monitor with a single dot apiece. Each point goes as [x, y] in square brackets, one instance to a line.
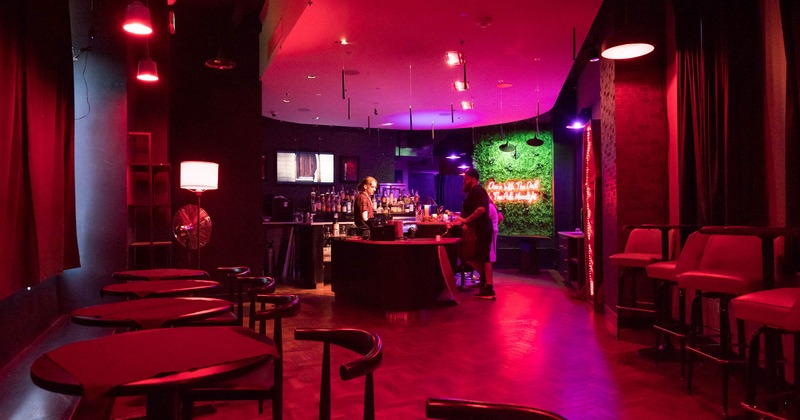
[305, 167]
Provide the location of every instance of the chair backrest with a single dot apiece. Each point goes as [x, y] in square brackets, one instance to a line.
[733, 253]
[793, 318]
[284, 306]
[692, 252]
[645, 241]
[448, 408]
[365, 343]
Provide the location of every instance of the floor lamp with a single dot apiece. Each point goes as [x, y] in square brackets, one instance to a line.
[199, 177]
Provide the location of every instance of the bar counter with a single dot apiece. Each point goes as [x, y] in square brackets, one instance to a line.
[401, 275]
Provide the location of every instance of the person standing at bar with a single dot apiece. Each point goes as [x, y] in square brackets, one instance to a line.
[476, 241]
[362, 208]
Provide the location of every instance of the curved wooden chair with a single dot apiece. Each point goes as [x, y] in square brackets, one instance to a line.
[266, 382]
[245, 285]
[455, 409]
[365, 343]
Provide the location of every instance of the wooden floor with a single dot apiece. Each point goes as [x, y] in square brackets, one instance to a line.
[532, 346]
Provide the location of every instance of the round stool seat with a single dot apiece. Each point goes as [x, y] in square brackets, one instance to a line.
[631, 259]
[234, 270]
[721, 281]
[769, 307]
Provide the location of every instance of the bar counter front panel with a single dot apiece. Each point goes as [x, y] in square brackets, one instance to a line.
[400, 275]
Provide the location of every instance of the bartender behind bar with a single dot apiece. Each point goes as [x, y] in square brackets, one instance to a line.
[362, 210]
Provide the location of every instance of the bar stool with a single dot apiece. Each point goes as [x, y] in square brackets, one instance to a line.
[778, 312]
[666, 272]
[730, 267]
[642, 249]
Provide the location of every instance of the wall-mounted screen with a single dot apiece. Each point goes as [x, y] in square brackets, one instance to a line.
[305, 167]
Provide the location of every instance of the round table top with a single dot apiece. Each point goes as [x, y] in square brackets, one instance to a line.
[150, 313]
[160, 274]
[135, 363]
[161, 288]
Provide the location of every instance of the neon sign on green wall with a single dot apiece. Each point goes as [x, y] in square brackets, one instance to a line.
[520, 181]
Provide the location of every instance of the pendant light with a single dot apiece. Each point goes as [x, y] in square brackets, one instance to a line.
[626, 43]
[220, 62]
[137, 19]
[148, 71]
[536, 141]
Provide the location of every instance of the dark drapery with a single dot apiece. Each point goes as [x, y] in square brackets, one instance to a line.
[720, 112]
[37, 206]
[790, 23]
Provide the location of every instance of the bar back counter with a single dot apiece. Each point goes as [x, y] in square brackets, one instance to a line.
[400, 275]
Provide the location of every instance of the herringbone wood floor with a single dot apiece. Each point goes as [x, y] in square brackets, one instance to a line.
[532, 346]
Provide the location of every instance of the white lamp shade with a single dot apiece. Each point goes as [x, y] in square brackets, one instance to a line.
[199, 176]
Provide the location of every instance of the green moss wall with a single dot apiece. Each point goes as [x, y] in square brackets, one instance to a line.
[528, 163]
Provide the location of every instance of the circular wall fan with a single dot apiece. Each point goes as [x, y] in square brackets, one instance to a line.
[185, 226]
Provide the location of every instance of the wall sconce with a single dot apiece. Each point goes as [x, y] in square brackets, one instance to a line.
[581, 120]
[137, 19]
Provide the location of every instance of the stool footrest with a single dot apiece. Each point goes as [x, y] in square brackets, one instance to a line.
[673, 328]
[636, 309]
[715, 353]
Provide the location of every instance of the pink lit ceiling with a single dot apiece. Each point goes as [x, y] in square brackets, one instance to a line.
[395, 59]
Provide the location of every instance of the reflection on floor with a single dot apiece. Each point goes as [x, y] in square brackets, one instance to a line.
[532, 346]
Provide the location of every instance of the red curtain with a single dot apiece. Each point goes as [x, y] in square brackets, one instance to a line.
[37, 211]
[720, 116]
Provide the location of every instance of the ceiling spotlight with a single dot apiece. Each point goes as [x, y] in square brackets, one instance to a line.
[137, 19]
[453, 156]
[460, 86]
[455, 58]
[463, 167]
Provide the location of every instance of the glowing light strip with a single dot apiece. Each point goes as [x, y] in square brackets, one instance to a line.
[515, 191]
[588, 200]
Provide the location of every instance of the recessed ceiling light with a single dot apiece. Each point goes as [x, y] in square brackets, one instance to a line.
[286, 101]
[503, 85]
[460, 86]
[387, 124]
[311, 76]
[316, 118]
[319, 94]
